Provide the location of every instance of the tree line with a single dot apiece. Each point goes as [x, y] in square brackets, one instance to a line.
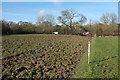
[71, 22]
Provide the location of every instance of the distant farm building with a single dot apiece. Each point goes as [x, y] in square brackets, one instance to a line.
[55, 32]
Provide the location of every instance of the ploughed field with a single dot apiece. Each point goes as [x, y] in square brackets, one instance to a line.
[42, 56]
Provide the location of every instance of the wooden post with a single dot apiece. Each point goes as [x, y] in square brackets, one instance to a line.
[88, 52]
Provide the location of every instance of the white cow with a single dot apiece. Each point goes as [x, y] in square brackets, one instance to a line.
[55, 32]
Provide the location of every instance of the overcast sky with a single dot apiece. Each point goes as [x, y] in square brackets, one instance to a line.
[29, 11]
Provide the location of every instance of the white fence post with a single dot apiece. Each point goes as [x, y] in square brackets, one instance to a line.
[88, 52]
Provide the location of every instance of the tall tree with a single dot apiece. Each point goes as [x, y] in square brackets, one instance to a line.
[108, 18]
[113, 18]
[82, 20]
[5, 28]
[46, 19]
[105, 19]
[69, 16]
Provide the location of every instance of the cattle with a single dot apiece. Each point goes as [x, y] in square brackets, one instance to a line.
[87, 34]
[55, 33]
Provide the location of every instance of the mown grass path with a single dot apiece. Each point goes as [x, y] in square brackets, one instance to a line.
[103, 59]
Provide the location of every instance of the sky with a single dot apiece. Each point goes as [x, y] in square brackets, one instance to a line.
[60, 0]
[29, 11]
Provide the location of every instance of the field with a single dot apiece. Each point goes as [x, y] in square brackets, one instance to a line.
[59, 56]
[42, 56]
[103, 60]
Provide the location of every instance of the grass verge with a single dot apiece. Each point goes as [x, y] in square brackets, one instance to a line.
[103, 60]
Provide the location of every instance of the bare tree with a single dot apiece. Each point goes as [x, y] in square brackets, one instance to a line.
[108, 18]
[82, 20]
[45, 19]
[105, 19]
[67, 17]
[113, 18]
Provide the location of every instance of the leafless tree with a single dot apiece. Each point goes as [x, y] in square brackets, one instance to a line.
[45, 19]
[82, 20]
[67, 17]
[113, 18]
[105, 19]
[108, 18]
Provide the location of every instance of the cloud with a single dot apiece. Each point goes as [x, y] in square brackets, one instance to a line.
[56, 2]
[43, 13]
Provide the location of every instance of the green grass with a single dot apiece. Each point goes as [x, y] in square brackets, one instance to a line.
[103, 60]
